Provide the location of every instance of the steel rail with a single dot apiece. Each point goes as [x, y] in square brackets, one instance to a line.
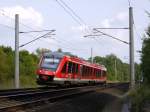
[30, 100]
[23, 90]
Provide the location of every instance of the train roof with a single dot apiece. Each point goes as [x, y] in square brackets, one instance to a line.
[53, 54]
[72, 57]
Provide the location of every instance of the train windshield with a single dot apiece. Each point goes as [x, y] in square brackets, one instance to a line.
[50, 63]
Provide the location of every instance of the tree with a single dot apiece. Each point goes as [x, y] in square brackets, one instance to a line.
[40, 51]
[28, 65]
[113, 63]
[59, 50]
[145, 66]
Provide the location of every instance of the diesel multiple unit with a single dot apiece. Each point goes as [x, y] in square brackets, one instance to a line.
[59, 68]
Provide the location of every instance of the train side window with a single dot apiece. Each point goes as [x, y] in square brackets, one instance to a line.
[94, 72]
[73, 68]
[81, 70]
[102, 72]
[84, 70]
[99, 73]
[70, 64]
[91, 71]
[76, 70]
[87, 71]
[64, 68]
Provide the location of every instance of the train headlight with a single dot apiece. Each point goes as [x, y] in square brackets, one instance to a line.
[37, 76]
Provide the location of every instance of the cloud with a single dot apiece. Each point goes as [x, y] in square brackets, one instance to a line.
[27, 15]
[80, 28]
[106, 23]
[122, 16]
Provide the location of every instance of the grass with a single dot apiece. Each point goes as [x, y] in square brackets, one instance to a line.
[139, 96]
[26, 81]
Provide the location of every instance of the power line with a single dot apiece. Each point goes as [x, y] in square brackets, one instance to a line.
[69, 13]
[64, 6]
[66, 47]
[135, 28]
[100, 31]
[110, 36]
[36, 31]
[36, 39]
[129, 3]
[4, 14]
[72, 11]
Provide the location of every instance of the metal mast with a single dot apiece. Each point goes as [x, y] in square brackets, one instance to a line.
[131, 45]
[16, 51]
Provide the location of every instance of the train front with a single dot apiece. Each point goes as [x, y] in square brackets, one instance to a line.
[47, 68]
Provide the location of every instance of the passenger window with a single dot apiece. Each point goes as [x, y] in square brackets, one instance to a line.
[64, 68]
[70, 64]
[76, 69]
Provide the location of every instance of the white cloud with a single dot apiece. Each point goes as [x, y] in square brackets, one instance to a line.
[80, 28]
[122, 16]
[106, 23]
[27, 15]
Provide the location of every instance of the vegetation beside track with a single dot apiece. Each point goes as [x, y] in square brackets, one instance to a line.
[29, 62]
[141, 96]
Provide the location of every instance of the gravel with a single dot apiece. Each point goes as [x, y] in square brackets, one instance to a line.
[109, 100]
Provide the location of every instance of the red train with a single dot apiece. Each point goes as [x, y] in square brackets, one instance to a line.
[59, 68]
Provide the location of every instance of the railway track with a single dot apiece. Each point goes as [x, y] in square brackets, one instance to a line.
[25, 90]
[29, 99]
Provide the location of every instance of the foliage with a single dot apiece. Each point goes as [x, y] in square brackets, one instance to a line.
[145, 66]
[116, 69]
[59, 50]
[28, 64]
[40, 51]
[139, 98]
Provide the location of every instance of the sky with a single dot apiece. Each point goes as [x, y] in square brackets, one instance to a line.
[35, 15]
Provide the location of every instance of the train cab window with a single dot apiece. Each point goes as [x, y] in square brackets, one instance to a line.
[50, 63]
[64, 68]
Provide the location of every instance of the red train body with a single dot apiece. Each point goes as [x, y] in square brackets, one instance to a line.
[58, 68]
